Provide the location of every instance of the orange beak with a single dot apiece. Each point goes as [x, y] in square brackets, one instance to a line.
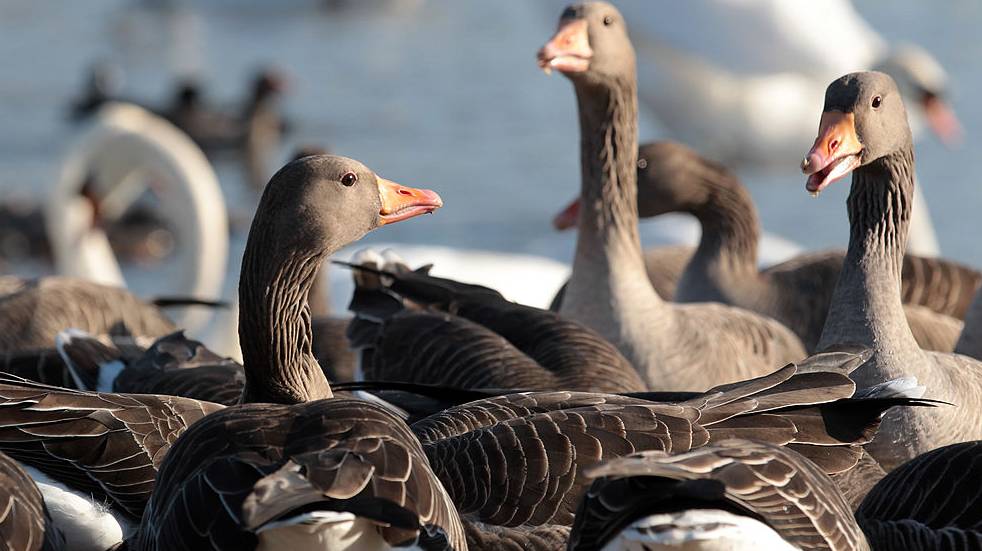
[942, 120]
[402, 203]
[568, 217]
[569, 49]
[835, 153]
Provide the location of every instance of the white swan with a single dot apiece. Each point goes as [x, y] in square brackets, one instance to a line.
[741, 79]
[120, 152]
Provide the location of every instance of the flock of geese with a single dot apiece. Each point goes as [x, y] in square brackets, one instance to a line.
[837, 415]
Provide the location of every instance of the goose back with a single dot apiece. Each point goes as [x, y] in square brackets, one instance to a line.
[439, 331]
[773, 485]
[32, 316]
[249, 466]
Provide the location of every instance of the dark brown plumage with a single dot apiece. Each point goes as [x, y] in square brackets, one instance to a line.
[931, 502]
[763, 482]
[109, 445]
[32, 316]
[413, 327]
[254, 464]
[555, 437]
[25, 524]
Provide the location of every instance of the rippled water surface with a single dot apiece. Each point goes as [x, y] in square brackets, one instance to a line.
[436, 93]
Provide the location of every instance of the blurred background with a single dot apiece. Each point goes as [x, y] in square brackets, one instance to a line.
[442, 94]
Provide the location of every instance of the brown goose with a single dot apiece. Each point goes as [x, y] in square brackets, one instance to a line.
[413, 327]
[32, 315]
[266, 471]
[671, 346]
[335, 201]
[797, 293]
[672, 178]
[25, 523]
[736, 495]
[864, 130]
[932, 502]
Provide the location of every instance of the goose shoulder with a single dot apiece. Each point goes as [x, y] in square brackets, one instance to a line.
[930, 502]
[273, 473]
[32, 316]
[750, 495]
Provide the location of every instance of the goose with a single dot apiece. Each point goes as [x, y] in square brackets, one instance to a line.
[674, 346]
[32, 315]
[864, 131]
[674, 178]
[265, 470]
[737, 494]
[413, 327]
[254, 132]
[149, 424]
[25, 524]
[930, 502]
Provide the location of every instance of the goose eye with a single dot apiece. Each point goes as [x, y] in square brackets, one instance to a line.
[642, 163]
[349, 179]
[608, 20]
[877, 100]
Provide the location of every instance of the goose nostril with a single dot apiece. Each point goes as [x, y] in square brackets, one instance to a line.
[403, 191]
[833, 145]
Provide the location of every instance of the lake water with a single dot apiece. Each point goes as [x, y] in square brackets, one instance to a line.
[437, 93]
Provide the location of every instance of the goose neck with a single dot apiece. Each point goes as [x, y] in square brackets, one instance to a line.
[727, 251]
[274, 323]
[608, 238]
[867, 307]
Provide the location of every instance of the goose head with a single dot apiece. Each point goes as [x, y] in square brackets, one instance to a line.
[924, 83]
[591, 44]
[864, 119]
[325, 202]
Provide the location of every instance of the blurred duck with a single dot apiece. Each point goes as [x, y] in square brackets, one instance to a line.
[724, 267]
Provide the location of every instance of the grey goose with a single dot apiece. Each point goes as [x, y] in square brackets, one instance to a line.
[864, 131]
[676, 347]
[797, 293]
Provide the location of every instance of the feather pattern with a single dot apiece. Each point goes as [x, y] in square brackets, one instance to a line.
[930, 502]
[773, 484]
[25, 524]
[437, 331]
[255, 464]
[109, 445]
